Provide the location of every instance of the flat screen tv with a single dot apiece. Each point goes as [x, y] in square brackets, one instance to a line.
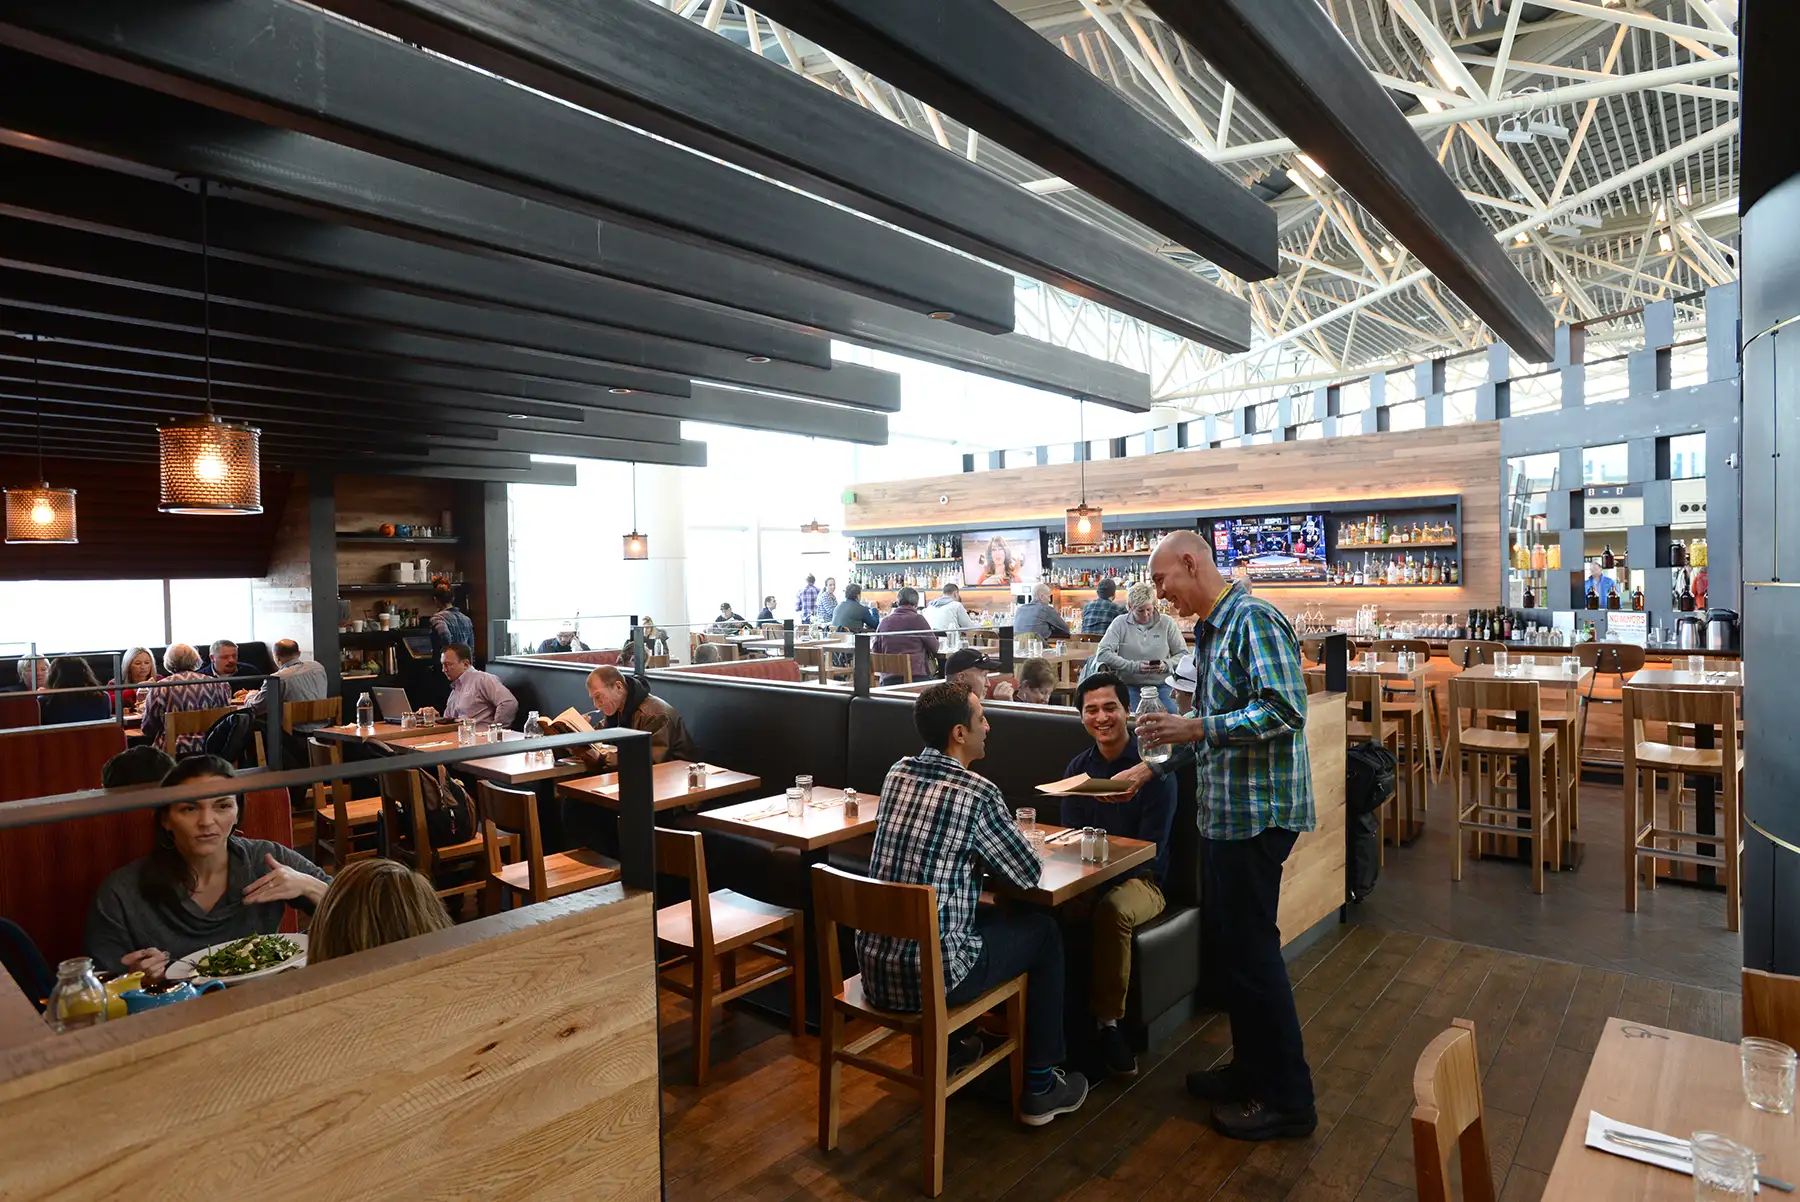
[1286, 548]
[996, 558]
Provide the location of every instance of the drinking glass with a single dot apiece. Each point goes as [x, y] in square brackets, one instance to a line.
[796, 802]
[1369, 661]
[1723, 1168]
[1768, 1074]
[805, 785]
[1026, 817]
[465, 732]
[1697, 664]
[1037, 837]
[1502, 664]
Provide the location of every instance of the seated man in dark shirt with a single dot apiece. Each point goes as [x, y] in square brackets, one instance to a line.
[1146, 812]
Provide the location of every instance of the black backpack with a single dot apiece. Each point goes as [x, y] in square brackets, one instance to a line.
[1368, 777]
[229, 738]
[449, 810]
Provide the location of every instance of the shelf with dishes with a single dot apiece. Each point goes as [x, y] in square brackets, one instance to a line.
[345, 539]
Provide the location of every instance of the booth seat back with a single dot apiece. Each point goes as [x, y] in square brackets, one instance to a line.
[1027, 746]
[773, 730]
[18, 710]
[749, 669]
[592, 658]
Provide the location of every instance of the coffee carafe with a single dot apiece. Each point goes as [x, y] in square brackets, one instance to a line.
[1721, 630]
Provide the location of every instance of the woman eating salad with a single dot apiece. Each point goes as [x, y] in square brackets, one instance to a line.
[201, 885]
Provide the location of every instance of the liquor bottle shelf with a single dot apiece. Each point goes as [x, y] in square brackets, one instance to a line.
[1430, 546]
[886, 561]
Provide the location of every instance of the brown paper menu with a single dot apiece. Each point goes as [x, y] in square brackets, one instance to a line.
[1087, 786]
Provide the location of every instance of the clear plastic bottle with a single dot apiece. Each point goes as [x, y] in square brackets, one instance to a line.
[1150, 703]
[78, 1000]
[365, 715]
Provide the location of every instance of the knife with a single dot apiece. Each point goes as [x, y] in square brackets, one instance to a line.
[1681, 1150]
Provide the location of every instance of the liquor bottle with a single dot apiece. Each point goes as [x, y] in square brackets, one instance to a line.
[1613, 599]
[1530, 595]
[1362, 571]
[1455, 571]
[1637, 599]
[1607, 563]
[1593, 598]
[1685, 603]
[1677, 554]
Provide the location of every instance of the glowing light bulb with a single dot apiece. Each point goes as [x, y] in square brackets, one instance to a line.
[209, 466]
[1084, 526]
[636, 545]
[41, 513]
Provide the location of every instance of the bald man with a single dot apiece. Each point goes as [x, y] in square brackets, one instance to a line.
[1247, 740]
[625, 701]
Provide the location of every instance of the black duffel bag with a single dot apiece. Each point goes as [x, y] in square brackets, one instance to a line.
[1368, 781]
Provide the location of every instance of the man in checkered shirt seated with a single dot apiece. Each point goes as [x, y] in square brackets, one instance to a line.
[940, 825]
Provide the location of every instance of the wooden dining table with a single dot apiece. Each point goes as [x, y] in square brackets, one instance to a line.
[1673, 1083]
[511, 768]
[669, 786]
[1066, 874]
[820, 824]
[1681, 678]
[383, 732]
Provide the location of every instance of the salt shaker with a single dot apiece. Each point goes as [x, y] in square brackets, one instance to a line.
[696, 777]
[851, 802]
[1089, 844]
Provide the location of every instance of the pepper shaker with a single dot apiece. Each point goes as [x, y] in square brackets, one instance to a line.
[851, 804]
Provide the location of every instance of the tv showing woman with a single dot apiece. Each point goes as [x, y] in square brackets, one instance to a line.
[1000, 557]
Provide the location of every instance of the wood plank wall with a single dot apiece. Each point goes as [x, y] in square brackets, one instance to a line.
[512, 1057]
[1462, 459]
[1312, 881]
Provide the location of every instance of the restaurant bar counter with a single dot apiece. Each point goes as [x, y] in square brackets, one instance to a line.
[778, 730]
[514, 1056]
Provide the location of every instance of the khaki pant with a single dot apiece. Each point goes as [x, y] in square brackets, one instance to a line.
[1116, 915]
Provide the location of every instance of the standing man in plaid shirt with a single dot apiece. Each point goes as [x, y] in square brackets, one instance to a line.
[1247, 737]
[939, 823]
[807, 601]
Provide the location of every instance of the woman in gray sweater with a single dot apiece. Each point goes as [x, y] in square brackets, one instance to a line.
[201, 885]
[1141, 644]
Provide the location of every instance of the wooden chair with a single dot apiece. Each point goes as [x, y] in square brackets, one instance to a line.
[513, 813]
[177, 723]
[891, 665]
[327, 711]
[1643, 760]
[409, 839]
[1772, 1006]
[1617, 661]
[709, 929]
[901, 912]
[1414, 706]
[1448, 1116]
[338, 817]
[1367, 721]
[1485, 748]
[1466, 653]
[817, 663]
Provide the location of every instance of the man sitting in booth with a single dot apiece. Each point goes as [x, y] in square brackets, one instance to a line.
[1144, 812]
[626, 701]
[970, 667]
[473, 693]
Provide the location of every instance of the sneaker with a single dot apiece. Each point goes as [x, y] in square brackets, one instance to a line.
[1114, 1052]
[964, 1051]
[1066, 1093]
[1255, 1122]
[1224, 1084]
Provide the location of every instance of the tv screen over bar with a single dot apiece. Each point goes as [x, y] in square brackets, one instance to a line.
[1001, 557]
[1286, 548]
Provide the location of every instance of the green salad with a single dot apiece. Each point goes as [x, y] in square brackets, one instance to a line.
[247, 955]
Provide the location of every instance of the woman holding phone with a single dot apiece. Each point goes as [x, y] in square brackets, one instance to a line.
[1142, 645]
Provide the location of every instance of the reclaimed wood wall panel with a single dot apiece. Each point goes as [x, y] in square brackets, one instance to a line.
[512, 1057]
[1462, 460]
[123, 537]
[1312, 881]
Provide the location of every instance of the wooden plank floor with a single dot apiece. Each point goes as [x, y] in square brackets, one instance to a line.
[1369, 998]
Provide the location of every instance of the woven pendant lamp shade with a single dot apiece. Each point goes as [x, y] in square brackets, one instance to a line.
[210, 466]
[40, 515]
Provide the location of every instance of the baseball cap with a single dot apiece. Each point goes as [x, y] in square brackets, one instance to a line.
[964, 659]
[1184, 678]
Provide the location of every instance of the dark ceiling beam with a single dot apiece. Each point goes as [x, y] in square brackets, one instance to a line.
[55, 191]
[642, 64]
[977, 62]
[294, 172]
[303, 69]
[1293, 64]
[750, 410]
[81, 255]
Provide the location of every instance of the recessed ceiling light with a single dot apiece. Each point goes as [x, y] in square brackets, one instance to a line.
[940, 315]
[620, 391]
[518, 417]
[756, 358]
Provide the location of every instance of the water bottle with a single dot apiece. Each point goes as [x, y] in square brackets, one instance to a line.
[1150, 703]
[365, 715]
[79, 1000]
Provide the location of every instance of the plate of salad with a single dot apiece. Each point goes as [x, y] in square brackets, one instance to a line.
[241, 959]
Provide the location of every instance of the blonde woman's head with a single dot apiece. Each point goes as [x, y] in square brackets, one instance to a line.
[369, 903]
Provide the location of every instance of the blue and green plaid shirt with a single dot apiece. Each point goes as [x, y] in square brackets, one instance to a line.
[1253, 769]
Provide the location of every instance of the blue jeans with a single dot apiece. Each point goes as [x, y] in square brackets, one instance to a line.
[1027, 942]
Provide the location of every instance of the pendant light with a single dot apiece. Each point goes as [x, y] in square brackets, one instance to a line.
[637, 546]
[1081, 525]
[41, 514]
[815, 536]
[208, 465]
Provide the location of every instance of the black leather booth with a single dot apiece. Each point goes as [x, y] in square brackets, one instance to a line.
[253, 659]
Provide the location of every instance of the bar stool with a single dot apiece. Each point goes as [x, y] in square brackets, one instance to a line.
[1484, 746]
[1618, 660]
[1415, 707]
[1643, 760]
[1367, 721]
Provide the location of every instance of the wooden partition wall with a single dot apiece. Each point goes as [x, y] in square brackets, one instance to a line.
[1462, 460]
[514, 1057]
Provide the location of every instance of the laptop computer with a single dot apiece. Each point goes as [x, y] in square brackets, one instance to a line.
[391, 703]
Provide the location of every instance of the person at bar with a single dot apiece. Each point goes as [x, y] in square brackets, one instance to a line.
[139, 667]
[1248, 739]
[1037, 682]
[73, 672]
[806, 602]
[906, 632]
[626, 701]
[200, 885]
[450, 626]
[941, 824]
[968, 666]
[563, 640]
[1038, 616]
[1099, 613]
[1146, 812]
[182, 663]
[474, 693]
[851, 614]
[1141, 643]
[947, 611]
[1600, 586]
